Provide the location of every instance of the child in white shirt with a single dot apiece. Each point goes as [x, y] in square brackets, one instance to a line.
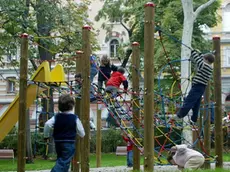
[185, 157]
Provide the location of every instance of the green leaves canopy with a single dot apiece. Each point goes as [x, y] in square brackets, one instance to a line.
[55, 26]
[169, 17]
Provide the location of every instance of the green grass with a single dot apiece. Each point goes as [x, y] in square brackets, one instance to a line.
[108, 160]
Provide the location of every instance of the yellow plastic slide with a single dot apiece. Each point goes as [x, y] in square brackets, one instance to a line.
[43, 74]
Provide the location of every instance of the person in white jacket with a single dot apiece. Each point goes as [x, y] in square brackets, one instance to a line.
[185, 157]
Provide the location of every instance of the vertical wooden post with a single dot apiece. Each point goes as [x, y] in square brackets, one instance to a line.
[195, 135]
[136, 103]
[148, 87]
[207, 119]
[22, 103]
[76, 159]
[85, 99]
[201, 119]
[218, 108]
[98, 145]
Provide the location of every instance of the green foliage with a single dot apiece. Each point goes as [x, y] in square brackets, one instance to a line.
[55, 27]
[10, 141]
[110, 140]
[168, 17]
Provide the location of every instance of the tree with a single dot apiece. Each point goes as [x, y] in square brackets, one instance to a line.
[190, 15]
[168, 17]
[119, 11]
[54, 26]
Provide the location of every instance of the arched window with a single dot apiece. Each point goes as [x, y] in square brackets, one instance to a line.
[114, 44]
[226, 16]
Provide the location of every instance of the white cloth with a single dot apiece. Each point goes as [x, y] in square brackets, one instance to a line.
[50, 123]
[184, 154]
[194, 163]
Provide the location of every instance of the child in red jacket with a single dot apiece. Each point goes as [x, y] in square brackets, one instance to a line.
[117, 78]
[129, 150]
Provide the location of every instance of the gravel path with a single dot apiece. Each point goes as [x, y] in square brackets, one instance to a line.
[125, 169]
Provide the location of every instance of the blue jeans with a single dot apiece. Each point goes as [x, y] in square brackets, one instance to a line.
[192, 101]
[65, 152]
[130, 158]
[93, 73]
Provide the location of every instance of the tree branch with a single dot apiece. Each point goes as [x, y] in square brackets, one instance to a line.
[5, 22]
[202, 7]
[126, 28]
[133, 26]
[33, 64]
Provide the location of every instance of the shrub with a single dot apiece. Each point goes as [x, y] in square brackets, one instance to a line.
[111, 138]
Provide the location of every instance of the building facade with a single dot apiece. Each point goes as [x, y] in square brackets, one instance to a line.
[223, 30]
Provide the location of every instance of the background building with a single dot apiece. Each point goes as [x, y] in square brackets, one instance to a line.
[223, 30]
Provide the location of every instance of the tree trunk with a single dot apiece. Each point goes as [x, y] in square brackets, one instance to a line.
[185, 54]
[44, 29]
[187, 40]
[127, 55]
[189, 18]
[29, 153]
[129, 50]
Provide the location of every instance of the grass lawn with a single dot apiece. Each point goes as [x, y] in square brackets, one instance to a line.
[40, 164]
[108, 160]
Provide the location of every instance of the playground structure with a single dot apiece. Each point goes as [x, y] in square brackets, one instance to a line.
[140, 119]
[42, 75]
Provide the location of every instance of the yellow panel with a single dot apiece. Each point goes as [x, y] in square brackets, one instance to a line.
[58, 74]
[43, 74]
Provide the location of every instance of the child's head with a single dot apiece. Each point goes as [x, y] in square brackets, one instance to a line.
[209, 58]
[65, 103]
[105, 60]
[170, 158]
[78, 77]
[121, 70]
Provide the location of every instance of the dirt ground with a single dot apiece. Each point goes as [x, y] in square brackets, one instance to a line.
[125, 169]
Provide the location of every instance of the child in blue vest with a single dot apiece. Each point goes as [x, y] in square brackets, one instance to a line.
[65, 126]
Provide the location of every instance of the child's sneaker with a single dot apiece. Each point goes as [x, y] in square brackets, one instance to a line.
[176, 118]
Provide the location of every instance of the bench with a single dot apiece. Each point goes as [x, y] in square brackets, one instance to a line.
[7, 154]
[122, 150]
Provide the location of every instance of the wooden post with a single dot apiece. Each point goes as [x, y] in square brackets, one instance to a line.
[98, 145]
[218, 108]
[201, 119]
[76, 159]
[22, 103]
[136, 103]
[195, 132]
[207, 119]
[85, 99]
[148, 87]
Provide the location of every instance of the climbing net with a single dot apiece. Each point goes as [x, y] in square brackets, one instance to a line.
[168, 99]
